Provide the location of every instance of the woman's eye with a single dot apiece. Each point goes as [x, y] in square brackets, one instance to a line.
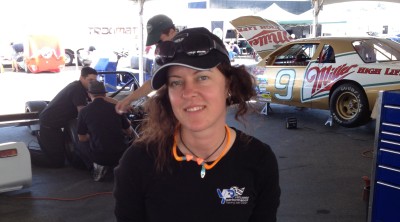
[203, 77]
[175, 83]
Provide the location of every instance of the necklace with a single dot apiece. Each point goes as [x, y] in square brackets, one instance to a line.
[205, 159]
[201, 161]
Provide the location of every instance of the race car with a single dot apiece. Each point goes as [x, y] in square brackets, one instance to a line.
[340, 74]
[39, 53]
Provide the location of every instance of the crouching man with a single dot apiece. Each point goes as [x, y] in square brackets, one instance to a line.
[102, 133]
[55, 119]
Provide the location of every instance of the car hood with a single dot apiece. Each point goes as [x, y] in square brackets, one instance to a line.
[262, 34]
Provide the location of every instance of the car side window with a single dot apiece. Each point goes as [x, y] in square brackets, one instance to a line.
[296, 55]
[327, 55]
[377, 50]
[365, 51]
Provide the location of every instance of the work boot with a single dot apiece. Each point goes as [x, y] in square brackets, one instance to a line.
[99, 172]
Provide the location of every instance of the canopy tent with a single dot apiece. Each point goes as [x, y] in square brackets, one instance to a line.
[283, 17]
[276, 13]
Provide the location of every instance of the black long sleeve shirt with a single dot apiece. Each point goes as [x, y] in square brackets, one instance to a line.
[243, 186]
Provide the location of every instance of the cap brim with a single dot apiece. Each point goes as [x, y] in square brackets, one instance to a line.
[205, 62]
[153, 38]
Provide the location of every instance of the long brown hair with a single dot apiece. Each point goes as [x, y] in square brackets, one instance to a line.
[158, 129]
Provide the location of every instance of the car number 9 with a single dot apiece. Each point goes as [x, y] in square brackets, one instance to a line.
[285, 81]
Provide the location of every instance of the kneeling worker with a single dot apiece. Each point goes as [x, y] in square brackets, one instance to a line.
[104, 130]
[55, 119]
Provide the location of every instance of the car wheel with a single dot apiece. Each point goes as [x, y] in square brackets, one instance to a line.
[349, 105]
[69, 57]
[35, 106]
[71, 139]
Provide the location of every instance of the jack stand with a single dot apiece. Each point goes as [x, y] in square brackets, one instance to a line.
[329, 121]
[266, 108]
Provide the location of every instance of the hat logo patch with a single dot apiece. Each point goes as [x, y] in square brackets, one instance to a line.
[149, 28]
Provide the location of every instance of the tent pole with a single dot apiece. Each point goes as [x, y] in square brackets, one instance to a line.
[141, 78]
[317, 7]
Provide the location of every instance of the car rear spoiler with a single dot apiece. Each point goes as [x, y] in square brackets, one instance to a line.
[262, 34]
[19, 119]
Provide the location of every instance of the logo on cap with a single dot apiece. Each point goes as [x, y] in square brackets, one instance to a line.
[149, 28]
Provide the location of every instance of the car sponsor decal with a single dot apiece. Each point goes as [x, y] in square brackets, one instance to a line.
[284, 83]
[262, 34]
[263, 95]
[378, 71]
[318, 80]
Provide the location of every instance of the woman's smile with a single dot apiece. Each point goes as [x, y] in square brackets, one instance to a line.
[194, 109]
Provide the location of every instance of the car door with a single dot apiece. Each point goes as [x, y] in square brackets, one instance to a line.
[285, 72]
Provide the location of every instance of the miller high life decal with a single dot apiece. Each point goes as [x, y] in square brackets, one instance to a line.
[319, 80]
[262, 34]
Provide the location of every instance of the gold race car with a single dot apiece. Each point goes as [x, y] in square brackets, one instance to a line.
[340, 74]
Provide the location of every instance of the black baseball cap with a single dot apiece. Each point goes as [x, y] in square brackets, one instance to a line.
[96, 87]
[155, 26]
[217, 54]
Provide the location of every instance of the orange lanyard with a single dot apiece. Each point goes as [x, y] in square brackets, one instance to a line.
[201, 161]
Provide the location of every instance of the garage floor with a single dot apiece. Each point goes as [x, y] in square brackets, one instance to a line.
[321, 171]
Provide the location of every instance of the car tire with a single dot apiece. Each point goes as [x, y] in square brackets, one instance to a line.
[69, 57]
[35, 106]
[71, 139]
[349, 105]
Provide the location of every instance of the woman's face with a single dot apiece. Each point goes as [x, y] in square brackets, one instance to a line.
[198, 98]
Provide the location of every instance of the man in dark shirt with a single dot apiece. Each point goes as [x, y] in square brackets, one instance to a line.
[54, 119]
[104, 129]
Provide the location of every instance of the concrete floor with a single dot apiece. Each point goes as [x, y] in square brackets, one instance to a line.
[321, 169]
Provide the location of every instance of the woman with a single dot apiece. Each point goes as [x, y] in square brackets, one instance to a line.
[188, 165]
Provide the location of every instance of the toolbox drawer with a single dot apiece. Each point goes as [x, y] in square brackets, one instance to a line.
[389, 145]
[391, 97]
[386, 202]
[391, 113]
[391, 136]
[395, 128]
[389, 158]
[388, 175]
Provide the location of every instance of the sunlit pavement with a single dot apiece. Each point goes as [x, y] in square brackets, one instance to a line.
[16, 88]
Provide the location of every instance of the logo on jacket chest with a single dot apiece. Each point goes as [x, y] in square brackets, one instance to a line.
[233, 196]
